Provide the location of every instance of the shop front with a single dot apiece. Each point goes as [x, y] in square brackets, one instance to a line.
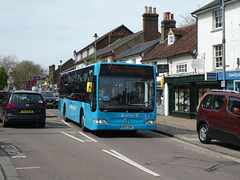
[232, 80]
[185, 93]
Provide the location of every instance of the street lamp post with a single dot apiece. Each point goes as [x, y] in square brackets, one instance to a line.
[75, 58]
[223, 44]
[60, 66]
[95, 36]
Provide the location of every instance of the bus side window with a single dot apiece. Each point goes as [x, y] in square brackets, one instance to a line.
[93, 94]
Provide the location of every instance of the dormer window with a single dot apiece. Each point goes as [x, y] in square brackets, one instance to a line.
[171, 38]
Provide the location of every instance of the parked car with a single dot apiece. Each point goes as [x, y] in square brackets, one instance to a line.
[219, 117]
[50, 99]
[23, 106]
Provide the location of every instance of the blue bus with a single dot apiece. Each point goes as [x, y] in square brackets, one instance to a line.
[109, 96]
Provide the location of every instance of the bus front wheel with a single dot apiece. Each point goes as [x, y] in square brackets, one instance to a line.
[82, 122]
[65, 115]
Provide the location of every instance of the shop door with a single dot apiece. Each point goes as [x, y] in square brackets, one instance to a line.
[237, 85]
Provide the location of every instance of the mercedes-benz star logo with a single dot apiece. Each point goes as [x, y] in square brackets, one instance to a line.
[126, 121]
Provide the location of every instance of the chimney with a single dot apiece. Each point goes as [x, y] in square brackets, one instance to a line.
[150, 24]
[167, 23]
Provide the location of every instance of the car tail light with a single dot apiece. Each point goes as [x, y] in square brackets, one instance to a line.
[41, 106]
[11, 106]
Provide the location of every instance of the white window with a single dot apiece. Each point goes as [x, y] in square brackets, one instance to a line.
[85, 54]
[217, 19]
[171, 39]
[218, 56]
[133, 61]
[91, 50]
[181, 68]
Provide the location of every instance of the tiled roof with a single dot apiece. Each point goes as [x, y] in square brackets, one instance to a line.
[118, 43]
[138, 49]
[185, 43]
[105, 36]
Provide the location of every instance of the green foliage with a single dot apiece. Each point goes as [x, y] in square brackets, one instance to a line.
[3, 77]
[92, 60]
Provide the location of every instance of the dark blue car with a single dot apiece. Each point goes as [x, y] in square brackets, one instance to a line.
[23, 106]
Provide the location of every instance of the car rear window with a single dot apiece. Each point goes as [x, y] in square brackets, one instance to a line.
[47, 94]
[23, 98]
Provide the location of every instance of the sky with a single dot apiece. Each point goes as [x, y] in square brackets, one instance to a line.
[47, 31]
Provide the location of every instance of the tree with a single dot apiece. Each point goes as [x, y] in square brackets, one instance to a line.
[24, 72]
[187, 20]
[8, 62]
[3, 77]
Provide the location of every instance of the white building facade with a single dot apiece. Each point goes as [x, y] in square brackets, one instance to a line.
[210, 38]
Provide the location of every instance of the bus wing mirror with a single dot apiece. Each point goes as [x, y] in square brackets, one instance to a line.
[89, 87]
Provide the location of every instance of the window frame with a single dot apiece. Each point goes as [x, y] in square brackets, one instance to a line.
[181, 68]
[217, 16]
[218, 56]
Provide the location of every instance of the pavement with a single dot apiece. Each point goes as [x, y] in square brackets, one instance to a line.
[180, 128]
[185, 130]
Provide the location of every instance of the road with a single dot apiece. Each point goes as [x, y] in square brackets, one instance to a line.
[62, 151]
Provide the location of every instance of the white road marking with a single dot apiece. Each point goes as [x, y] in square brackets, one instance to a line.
[72, 137]
[66, 123]
[72, 132]
[129, 161]
[91, 139]
[19, 156]
[47, 125]
[20, 168]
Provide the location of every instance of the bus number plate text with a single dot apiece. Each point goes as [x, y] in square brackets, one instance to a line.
[126, 127]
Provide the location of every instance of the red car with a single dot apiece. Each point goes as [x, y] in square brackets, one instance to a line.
[219, 117]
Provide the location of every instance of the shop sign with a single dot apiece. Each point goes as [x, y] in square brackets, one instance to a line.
[37, 78]
[198, 63]
[162, 68]
[211, 76]
[229, 75]
[187, 79]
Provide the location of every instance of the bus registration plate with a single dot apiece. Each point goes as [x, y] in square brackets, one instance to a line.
[126, 127]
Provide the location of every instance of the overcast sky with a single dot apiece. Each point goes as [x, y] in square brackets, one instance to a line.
[47, 31]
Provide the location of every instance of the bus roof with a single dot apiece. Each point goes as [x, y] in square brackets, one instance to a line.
[99, 64]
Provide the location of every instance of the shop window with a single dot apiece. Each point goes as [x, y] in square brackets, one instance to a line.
[182, 100]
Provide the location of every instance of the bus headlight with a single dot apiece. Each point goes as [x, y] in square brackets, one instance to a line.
[150, 122]
[100, 121]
